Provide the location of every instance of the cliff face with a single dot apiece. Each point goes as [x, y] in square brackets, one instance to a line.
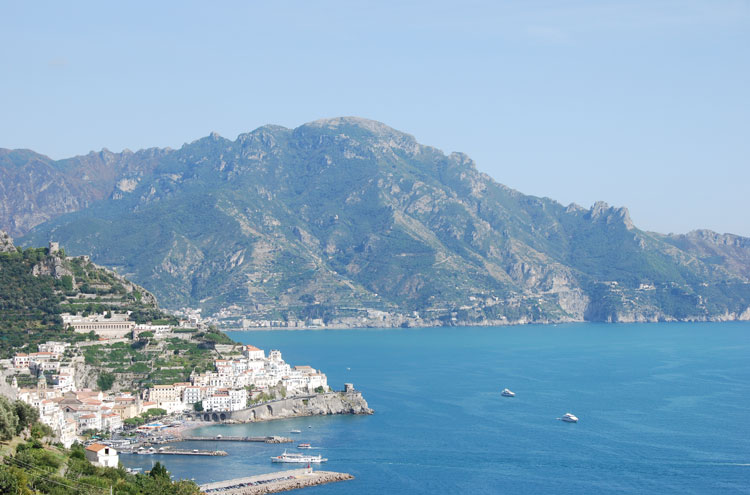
[318, 405]
[353, 223]
[6, 243]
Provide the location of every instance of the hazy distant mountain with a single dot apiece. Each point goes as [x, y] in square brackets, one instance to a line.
[343, 215]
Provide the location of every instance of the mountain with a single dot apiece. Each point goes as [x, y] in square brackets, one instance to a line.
[350, 221]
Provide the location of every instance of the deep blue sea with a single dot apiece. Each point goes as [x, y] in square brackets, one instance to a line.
[664, 408]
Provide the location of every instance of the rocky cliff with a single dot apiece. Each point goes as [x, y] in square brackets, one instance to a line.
[6, 243]
[317, 405]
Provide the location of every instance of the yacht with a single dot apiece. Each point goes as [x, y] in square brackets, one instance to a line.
[304, 446]
[298, 458]
[507, 393]
[569, 418]
[296, 431]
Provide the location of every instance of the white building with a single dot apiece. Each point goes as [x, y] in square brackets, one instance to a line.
[116, 327]
[192, 394]
[252, 352]
[21, 360]
[54, 347]
[91, 421]
[111, 422]
[102, 455]
[226, 400]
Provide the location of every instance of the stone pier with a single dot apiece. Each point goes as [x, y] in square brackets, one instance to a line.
[280, 481]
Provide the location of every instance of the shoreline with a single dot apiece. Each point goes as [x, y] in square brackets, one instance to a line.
[483, 325]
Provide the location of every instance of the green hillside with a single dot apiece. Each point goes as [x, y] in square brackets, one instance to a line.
[36, 285]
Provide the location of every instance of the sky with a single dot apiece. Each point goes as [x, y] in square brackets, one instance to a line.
[642, 103]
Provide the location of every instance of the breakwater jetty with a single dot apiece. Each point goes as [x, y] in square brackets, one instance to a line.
[214, 453]
[279, 481]
[220, 438]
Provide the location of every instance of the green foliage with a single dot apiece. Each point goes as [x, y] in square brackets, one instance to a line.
[159, 471]
[8, 419]
[26, 414]
[153, 413]
[320, 390]
[105, 381]
[56, 471]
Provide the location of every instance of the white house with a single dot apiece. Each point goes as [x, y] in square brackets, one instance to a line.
[21, 360]
[102, 455]
[54, 347]
[252, 352]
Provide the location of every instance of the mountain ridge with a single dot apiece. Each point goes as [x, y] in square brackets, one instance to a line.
[344, 218]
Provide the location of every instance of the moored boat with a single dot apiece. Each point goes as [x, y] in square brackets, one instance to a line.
[304, 446]
[298, 458]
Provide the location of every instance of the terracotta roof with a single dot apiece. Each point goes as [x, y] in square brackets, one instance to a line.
[96, 447]
[251, 348]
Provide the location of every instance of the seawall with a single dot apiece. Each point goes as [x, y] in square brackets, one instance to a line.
[279, 481]
[325, 404]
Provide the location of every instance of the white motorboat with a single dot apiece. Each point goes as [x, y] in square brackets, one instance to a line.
[298, 458]
[296, 431]
[569, 418]
[507, 393]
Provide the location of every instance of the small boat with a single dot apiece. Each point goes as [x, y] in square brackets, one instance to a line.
[296, 431]
[298, 458]
[309, 426]
[569, 418]
[304, 446]
[507, 393]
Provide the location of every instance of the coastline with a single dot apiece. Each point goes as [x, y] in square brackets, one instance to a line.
[325, 404]
[744, 317]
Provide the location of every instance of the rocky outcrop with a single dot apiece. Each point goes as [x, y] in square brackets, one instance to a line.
[326, 404]
[6, 243]
[52, 266]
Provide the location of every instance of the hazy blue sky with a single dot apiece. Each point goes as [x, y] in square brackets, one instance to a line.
[644, 104]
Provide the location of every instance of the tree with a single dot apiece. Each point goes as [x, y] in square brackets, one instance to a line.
[105, 381]
[27, 415]
[13, 480]
[198, 406]
[159, 471]
[8, 419]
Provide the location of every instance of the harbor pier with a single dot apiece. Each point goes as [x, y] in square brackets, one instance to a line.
[279, 481]
[271, 439]
[219, 453]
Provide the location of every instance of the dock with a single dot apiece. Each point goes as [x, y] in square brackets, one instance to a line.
[272, 439]
[219, 453]
[280, 481]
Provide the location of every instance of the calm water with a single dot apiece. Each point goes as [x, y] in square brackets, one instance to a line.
[663, 408]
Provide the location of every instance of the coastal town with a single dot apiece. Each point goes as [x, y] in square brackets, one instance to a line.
[50, 380]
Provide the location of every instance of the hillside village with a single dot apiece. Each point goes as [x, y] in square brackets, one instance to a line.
[241, 376]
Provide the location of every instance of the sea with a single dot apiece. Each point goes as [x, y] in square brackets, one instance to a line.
[662, 407]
